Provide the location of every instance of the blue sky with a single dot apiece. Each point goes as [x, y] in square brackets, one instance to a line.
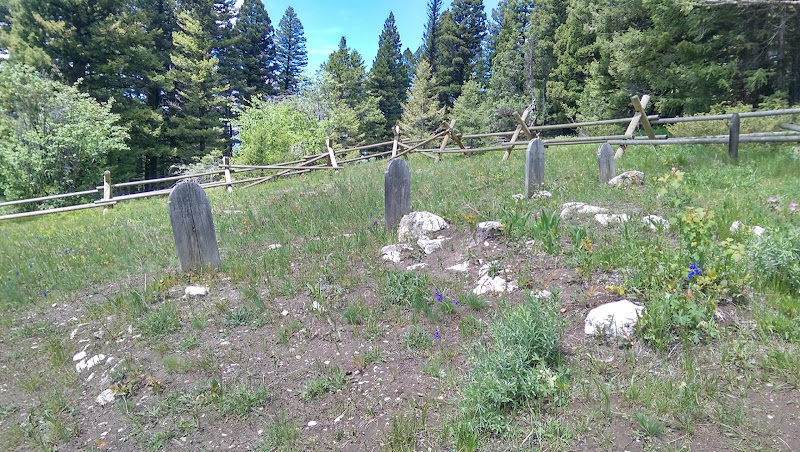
[359, 21]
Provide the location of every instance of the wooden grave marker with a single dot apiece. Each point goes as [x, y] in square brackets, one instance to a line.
[605, 163]
[397, 192]
[193, 227]
[534, 167]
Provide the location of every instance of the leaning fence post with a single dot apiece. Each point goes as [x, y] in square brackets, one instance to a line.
[107, 190]
[605, 163]
[396, 143]
[193, 227]
[733, 140]
[331, 156]
[534, 167]
[226, 162]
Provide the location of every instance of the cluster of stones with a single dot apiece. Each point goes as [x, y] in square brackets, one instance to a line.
[416, 228]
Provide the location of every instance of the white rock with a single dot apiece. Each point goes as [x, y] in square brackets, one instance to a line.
[541, 294]
[655, 222]
[284, 313]
[627, 178]
[430, 245]
[196, 291]
[580, 208]
[420, 266]
[395, 253]
[607, 218]
[87, 364]
[518, 196]
[459, 267]
[498, 284]
[487, 229]
[79, 356]
[737, 226]
[275, 246]
[105, 397]
[312, 423]
[541, 194]
[317, 307]
[613, 319]
[418, 225]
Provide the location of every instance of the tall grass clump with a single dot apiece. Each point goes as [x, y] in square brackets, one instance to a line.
[522, 365]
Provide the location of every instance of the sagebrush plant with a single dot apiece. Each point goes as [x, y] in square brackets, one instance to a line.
[775, 259]
[522, 364]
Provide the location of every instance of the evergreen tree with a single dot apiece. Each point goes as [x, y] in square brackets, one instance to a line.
[508, 87]
[410, 62]
[422, 113]
[197, 103]
[463, 29]
[388, 79]
[540, 58]
[253, 71]
[291, 51]
[430, 37]
[352, 117]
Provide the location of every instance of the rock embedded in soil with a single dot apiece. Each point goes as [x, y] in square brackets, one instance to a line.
[541, 294]
[430, 245]
[580, 208]
[617, 319]
[627, 178]
[488, 229]
[419, 266]
[396, 253]
[196, 291]
[737, 226]
[459, 267]
[497, 284]
[417, 225]
[105, 397]
[606, 219]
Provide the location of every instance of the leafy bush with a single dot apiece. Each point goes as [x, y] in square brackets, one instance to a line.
[53, 138]
[675, 315]
[523, 364]
[274, 131]
[775, 259]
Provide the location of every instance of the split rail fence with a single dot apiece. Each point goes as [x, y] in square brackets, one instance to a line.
[329, 159]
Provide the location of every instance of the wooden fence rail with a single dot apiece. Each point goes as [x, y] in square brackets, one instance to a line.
[327, 160]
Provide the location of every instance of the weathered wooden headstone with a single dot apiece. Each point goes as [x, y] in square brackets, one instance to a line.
[733, 140]
[605, 162]
[397, 192]
[193, 227]
[534, 167]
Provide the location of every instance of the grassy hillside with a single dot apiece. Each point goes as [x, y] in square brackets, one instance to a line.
[319, 344]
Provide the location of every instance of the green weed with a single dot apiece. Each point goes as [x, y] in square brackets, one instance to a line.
[328, 379]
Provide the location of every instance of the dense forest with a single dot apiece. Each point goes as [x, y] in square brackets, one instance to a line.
[140, 86]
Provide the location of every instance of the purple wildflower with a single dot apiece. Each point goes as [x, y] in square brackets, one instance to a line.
[439, 296]
[44, 293]
[694, 270]
[793, 206]
[777, 207]
[772, 200]
[456, 302]
[436, 335]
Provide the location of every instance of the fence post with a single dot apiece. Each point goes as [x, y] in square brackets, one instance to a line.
[514, 137]
[331, 156]
[637, 116]
[396, 131]
[605, 163]
[226, 162]
[107, 190]
[733, 140]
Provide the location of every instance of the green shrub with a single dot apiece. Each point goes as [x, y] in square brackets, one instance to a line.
[775, 259]
[407, 289]
[676, 315]
[523, 364]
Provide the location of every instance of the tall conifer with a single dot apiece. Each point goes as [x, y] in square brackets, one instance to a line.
[291, 50]
[388, 79]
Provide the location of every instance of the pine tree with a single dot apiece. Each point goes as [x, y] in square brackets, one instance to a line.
[291, 51]
[195, 126]
[463, 29]
[346, 75]
[253, 71]
[388, 79]
[430, 37]
[422, 113]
